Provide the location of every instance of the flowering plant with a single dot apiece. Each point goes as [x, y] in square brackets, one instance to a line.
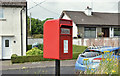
[100, 34]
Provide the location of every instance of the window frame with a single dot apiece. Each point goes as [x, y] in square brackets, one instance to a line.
[1, 13]
[118, 29]
[90, 29]
[7, 43]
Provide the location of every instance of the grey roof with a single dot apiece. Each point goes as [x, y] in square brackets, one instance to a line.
[97, 18]
[13, 3]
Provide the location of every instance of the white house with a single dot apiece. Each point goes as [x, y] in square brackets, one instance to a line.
[13, 25]
[94, 28]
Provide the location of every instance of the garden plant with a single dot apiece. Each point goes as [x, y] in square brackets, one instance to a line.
[108, 65]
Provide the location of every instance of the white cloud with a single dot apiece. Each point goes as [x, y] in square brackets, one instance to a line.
[53, 8]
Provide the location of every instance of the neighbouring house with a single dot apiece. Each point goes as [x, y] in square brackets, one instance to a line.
[13, 28]
[94, 25]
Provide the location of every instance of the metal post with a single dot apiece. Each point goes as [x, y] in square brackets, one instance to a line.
[57, 67]
[30, 21]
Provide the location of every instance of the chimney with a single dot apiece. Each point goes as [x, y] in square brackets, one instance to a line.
[88, 11]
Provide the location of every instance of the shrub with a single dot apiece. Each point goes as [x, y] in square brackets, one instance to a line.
[29, 47]
[40, 46]
[14, 55]
[34, 51]
[109, 65]
[22, 59]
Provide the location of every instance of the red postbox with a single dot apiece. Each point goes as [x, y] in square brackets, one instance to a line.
[58, 39]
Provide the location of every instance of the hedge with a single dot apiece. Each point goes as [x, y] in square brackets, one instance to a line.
[29, 47]
[22, 59]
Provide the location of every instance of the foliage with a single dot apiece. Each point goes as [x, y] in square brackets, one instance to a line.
[22, 59]
[40, 46]
[37, 36]
[29, 47]
[34, 51]
[36, 26]
[100, 34]
[80, 49]
[107, 66]
[14, 55]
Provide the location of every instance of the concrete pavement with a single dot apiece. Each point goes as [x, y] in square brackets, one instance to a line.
[6, 65]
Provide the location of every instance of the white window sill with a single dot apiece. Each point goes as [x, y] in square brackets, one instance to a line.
[2, 19]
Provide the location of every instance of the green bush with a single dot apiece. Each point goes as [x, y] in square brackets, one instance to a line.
[80, 49]
[34, 51]
[40, 46]
[22, 59]
[14, 55]
[29, 47]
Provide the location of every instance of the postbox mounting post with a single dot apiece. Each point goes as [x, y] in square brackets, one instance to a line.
[57, 67]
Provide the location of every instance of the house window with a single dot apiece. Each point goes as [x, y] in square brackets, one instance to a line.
[90, 32]
[1, 13]
[6, 43]
[116, 31]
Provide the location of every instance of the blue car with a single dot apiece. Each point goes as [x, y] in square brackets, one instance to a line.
[93, 55]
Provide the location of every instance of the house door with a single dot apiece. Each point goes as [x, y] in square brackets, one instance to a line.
[106, 32]
[6, 48]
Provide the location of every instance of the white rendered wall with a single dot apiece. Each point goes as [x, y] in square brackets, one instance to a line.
[74, 26]
[0, 47]
[12, 27]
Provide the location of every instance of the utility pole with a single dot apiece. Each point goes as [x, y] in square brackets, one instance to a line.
[30, 25]
[30, 21]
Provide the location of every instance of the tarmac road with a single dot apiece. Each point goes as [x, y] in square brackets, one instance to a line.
[45, 71]
[46, 68]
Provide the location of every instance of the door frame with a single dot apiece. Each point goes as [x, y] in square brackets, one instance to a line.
[3, 46]
[108, 31]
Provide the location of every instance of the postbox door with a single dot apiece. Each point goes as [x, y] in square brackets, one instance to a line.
[66, 48]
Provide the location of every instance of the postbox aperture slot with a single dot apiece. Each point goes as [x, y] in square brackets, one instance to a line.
[65, 31]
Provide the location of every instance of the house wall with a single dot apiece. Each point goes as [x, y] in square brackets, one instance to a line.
[98, 30]
[0, 47]
[35, 40]
[81, 31]
[75, 29]
[12, 27]
[97, 41]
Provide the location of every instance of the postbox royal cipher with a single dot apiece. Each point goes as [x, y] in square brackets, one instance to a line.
[58, 39]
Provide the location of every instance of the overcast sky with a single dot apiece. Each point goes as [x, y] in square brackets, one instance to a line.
[53, 8]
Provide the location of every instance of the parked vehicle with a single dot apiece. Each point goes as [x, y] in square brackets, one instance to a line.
[93, 56]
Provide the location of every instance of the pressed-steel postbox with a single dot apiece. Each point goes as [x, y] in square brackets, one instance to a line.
[58, 39]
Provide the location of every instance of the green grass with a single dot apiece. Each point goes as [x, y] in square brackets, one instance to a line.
[77, 48]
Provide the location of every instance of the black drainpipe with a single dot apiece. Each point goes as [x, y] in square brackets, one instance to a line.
[21, 32]
[26, 26]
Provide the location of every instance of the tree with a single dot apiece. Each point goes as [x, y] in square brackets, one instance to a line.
[36, 26]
